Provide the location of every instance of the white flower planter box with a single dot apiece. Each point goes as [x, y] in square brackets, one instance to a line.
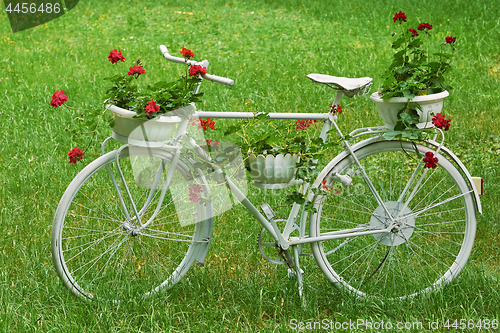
[388, 109]
[128, 129]
[273, 172]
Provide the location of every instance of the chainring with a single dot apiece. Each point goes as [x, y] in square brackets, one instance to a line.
[271, 247]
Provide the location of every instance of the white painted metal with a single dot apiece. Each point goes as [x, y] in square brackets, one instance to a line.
[250, 115]
[209, 77]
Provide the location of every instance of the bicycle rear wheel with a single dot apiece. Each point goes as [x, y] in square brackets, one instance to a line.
[98, 247]
[427, 249]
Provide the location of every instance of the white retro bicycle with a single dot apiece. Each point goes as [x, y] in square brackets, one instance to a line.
[388, 227]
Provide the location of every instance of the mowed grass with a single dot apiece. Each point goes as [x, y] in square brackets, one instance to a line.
[267, 48]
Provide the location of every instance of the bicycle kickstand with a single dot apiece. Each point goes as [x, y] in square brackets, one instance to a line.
[299, 274]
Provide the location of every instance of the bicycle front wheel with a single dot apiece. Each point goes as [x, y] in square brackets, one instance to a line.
[101, 245]
[434, 227]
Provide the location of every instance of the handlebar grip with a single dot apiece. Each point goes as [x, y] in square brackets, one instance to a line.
[218, 79]
[166, 54]
[209, 77]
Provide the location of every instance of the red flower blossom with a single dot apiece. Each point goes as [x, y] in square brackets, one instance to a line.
[197, 69]
[439, 121]
[196, 188]
[136, 70]
[450, 39]
[75, 155]
[414, 32]
[152, 107]
[303, 124]
[58, 98]
[115, 56]
[325, 187]
[193, 197]
[335, 109]
[423, 26]
[430, 160]
[202, 123]
[187, 53]
[213, 143]
[193, 193]
[399, 17]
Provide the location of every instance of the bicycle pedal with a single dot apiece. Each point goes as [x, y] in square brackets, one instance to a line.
[268, 211]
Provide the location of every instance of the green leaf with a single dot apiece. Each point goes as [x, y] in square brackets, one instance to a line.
[296, 197]
[397, 43]
[392, 134]
[408, 94]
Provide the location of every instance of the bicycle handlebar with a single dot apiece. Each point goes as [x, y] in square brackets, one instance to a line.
[209, 77]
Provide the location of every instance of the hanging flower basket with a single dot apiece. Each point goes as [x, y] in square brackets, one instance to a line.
[388, 109]
[273, 172]
[128, 129]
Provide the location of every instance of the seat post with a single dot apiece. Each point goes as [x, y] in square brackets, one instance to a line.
[338, 97]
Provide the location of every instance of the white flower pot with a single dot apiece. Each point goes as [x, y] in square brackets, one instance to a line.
[388, 109]
[128, 129]
[272, 172]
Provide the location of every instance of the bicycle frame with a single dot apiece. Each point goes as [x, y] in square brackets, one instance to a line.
[282, 237]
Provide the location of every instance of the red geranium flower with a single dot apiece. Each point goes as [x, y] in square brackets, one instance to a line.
[335, 109]
[187, 53]
[193, 197]
[414, 32]
[136, 70]
[197, 69]
[58, 98]
[75, 155]
[450, 39]
[152, 107]
[193, 193]
[196, 188]
[115, 56]
[399, 17]
[303, 124]
[430, 160]
[213, 143]
[202, 123]
[423, 26]
[439, 121]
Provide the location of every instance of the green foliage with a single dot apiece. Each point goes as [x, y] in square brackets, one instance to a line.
[169, 96]
[406, 126]
[411, 71]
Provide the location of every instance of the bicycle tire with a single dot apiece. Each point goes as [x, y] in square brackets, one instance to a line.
[425, 253]
[97, 252]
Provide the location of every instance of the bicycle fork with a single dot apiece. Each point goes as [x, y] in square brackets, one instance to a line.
[134, 231]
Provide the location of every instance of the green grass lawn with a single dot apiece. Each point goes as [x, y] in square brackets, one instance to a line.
[267, 47]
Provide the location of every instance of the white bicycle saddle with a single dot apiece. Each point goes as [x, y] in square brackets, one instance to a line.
[343, 83]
